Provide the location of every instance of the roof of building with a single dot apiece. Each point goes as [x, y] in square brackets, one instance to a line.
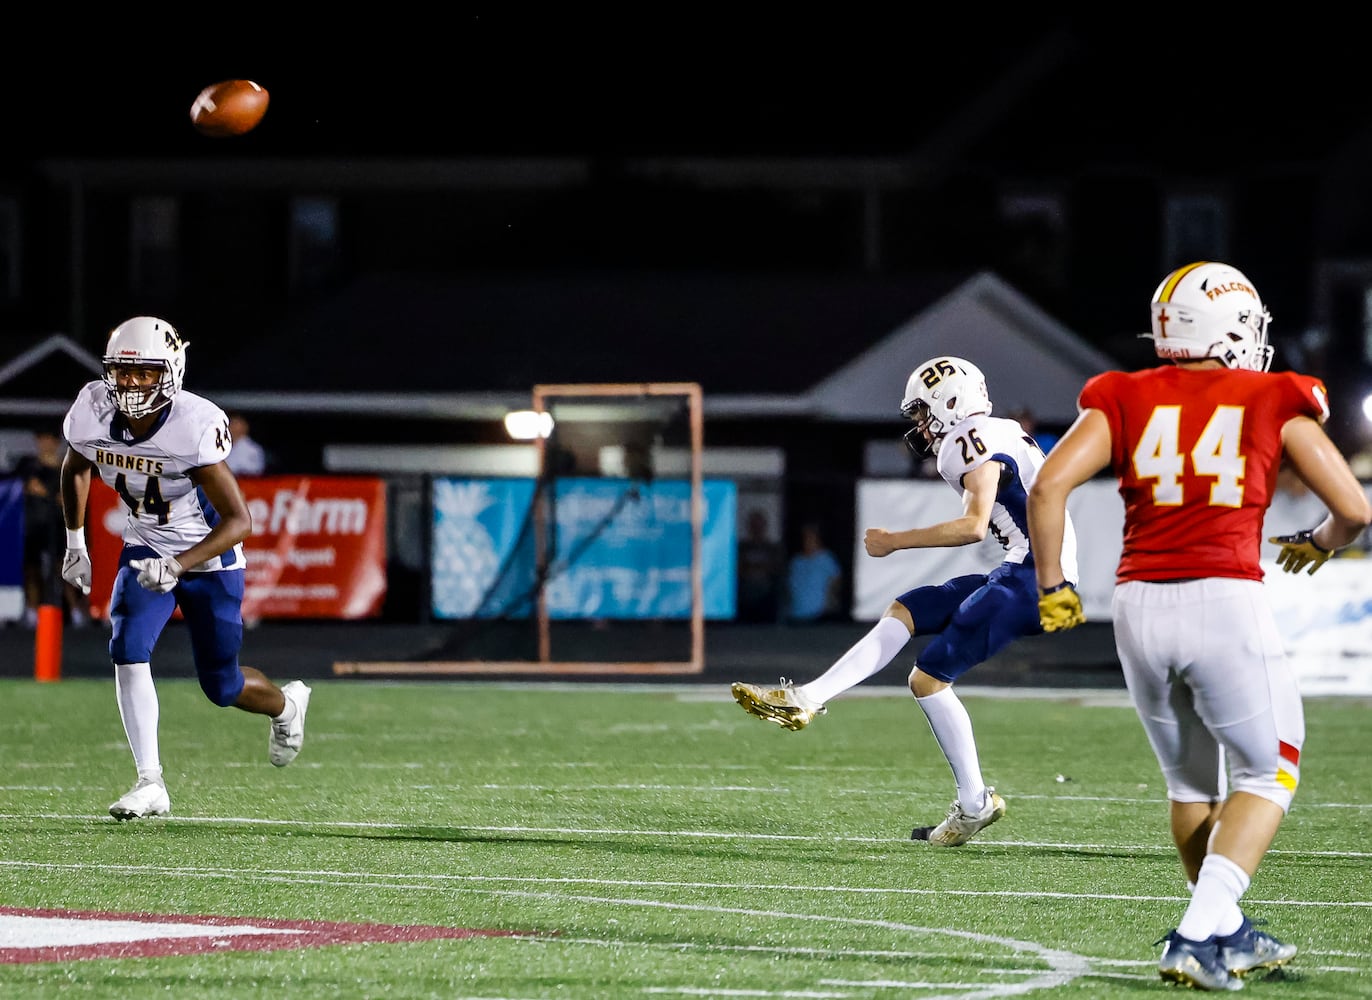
[819, 348]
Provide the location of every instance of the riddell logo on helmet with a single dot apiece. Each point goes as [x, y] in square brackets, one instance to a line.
[1215, 292]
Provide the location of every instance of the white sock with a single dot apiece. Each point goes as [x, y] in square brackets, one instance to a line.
[287, 713]
[1229, 922]
[138, 708]
[952, 728]
[865, 658]
[1218, 890]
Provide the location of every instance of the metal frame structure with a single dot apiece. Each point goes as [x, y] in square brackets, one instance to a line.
[545, 664]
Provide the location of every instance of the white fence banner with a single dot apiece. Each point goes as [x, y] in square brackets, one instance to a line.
[1097, 514]
[1326, 619]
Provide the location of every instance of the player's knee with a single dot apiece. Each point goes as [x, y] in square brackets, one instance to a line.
[923, 684]
[1193, 783]
[223, 685]
[1266, 785]
[1183, 793]
[901, 614]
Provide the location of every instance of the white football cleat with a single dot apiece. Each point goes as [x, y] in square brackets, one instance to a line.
[147, 798]
[959, 826]
[287, 737]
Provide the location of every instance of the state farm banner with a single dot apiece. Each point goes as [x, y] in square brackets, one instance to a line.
[318, 547]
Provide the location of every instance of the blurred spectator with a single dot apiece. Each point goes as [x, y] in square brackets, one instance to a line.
[1361, 463]
[1043, 437]
[246, 457]
[761, 561]
[1295, 507]
[813, 580]
[44, 536]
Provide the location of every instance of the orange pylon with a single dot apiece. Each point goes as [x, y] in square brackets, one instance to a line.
[47, 644]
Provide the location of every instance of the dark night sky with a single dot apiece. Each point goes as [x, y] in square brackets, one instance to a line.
[1191, 92]
[709, 84]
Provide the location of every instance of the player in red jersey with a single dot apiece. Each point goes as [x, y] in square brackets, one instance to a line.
[1196, 444]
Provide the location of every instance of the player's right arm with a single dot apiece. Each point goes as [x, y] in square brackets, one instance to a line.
[1081, 453]
[978, 504]
[76, 487]
[75, 482]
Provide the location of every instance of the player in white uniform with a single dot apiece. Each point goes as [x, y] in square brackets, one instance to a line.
[162, 450]
[991, 462]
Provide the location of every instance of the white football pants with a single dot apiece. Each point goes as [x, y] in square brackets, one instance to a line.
[1207, 669]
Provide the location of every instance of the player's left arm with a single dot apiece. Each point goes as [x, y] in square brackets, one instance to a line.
[978, 503]
[235, 522]
[1321, 466]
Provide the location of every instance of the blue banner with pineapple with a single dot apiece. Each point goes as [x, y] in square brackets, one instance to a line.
[619, 549]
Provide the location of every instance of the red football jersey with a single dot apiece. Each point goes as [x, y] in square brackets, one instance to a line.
[1196, 454]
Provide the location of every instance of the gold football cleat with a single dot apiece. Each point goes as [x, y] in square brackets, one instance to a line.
[784, 705]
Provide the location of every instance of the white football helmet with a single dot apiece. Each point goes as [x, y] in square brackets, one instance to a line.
[940, 394]
[153, 343]
[1210, 310]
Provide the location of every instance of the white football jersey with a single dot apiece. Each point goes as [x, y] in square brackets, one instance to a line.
[165, 510]
[982, 438]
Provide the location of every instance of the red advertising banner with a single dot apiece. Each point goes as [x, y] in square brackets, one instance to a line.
[318, 547]
[105, 514]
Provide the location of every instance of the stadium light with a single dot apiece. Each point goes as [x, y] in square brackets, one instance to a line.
[1367, 406]
[528, 425]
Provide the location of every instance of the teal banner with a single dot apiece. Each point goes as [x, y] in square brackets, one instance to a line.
[621, 549]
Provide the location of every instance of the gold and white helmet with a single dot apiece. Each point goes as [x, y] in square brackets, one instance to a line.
[145, 341]
[1211, 310]
[940, 394]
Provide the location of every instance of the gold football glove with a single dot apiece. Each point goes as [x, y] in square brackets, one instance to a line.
[1060, 608]
[1300, 550]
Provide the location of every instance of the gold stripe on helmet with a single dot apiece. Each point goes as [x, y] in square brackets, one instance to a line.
[1170, 283]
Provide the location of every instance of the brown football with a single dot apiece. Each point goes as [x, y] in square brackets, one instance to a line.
[230, 107]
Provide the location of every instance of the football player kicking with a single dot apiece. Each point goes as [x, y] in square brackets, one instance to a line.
[162, 450]
[1195, 444]
[991, 463]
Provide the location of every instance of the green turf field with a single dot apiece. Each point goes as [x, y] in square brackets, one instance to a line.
[650, 842]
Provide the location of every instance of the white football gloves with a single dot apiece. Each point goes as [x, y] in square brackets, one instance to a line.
[159, 574]
[76, 568]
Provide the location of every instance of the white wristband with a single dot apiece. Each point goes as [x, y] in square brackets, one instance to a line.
[76, 539]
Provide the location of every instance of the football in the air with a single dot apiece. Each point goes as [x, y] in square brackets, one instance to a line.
[229, 107]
